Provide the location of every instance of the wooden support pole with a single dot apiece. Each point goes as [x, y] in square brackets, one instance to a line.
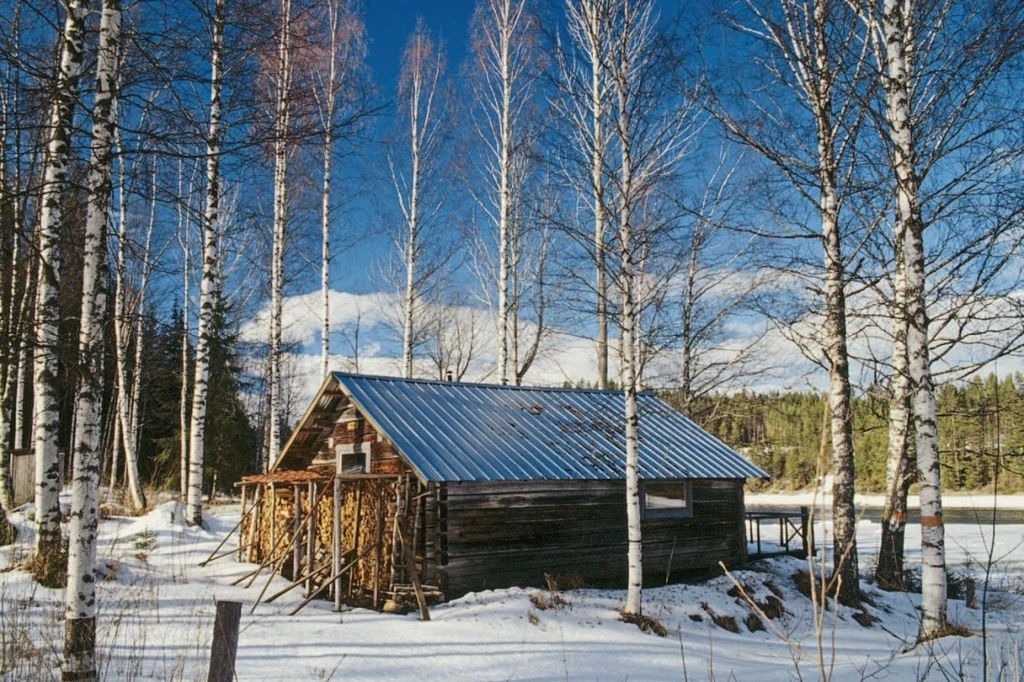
[324, 567]
[395, 535]
[311, 531]
[225, 642]
[336, 543]
[296, 530]
[327, 582]
[806, 532]
[356, 528]
[377, 547]
[410, 566]
[245, 512]
[273, 516]
[254, 524]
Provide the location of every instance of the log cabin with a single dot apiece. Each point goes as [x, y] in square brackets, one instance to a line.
[389, 487]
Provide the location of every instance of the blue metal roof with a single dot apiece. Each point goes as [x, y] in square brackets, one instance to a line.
[451, 431]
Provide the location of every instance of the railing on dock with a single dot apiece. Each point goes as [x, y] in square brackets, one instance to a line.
[795, 533]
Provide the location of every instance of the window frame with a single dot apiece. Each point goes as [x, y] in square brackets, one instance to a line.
[342, 450]
[685, 512]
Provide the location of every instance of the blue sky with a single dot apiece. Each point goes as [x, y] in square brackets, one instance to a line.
[389, 23]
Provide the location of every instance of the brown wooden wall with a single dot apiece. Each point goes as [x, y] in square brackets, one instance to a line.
[493, 535]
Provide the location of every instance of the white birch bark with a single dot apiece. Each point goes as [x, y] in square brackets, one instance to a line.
[622, 75]
[83, 526]
[127, 396]
[503, 55]
[186, 258]
[419, 81]
[897, 36]
[48, 483]
[282, 116]
[589, 16]
[889, 570]
[115, 459]
[801, 36]
[207, 288]
[325, 231]
[21, 385]
[584, 105]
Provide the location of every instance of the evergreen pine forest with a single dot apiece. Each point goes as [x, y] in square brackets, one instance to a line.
[981, 423]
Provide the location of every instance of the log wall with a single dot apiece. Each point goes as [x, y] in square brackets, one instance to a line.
[492, 535]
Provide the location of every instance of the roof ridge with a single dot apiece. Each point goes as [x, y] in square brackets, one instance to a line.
[472, 384]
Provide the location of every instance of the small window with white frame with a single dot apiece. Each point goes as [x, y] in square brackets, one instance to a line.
[667, 499]
[353, 458]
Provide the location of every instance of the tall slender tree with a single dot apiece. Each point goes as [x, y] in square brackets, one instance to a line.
[503, 45]
[282, 128]
[816, 70]
[80, 595]
[416, 179]
[584, 104]
[55, 173]
[208, 284]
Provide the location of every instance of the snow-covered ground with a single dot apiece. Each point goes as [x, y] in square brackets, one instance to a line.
[158, 604]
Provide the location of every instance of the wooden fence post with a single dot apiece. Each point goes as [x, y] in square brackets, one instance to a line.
[225, 642]
[806, 531]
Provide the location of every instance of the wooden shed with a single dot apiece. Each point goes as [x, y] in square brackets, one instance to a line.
[393, 486]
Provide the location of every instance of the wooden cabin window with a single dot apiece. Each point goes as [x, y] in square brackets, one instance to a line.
[667, 499]
[353, 458]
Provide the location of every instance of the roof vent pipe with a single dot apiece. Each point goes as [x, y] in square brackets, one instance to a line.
[448, 376]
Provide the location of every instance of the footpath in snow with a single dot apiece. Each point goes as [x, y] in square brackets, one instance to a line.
[157, 609]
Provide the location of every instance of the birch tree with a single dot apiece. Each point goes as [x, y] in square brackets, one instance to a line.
[47, 507]
[503, 45]
[80, 595]
[815, 68]
[584, 104]
[282, 123]
[416, 178]
[127, 401]
[184, 212]
[208, 284]
[334, 76]
[651, 136]
[898, 477]
[943, 70]
[634, 32]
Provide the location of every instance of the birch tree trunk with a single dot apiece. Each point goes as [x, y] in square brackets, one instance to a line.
[593, 10]
[897, 36]
[889, 571]
[80, 595]
[325, 229]
[622, 78]
[503, 54]
[207, 289]
[419, 82]
[282, 117]
[126, 397]
[48, 483]
[186, 257]
[844, 519]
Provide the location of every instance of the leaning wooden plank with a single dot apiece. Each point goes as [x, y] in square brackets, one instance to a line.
[210, 558]
[295, 583]
[410, 566]
[270, 578]
[327, 582]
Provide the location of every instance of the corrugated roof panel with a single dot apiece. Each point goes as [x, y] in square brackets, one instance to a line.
[480, 432]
